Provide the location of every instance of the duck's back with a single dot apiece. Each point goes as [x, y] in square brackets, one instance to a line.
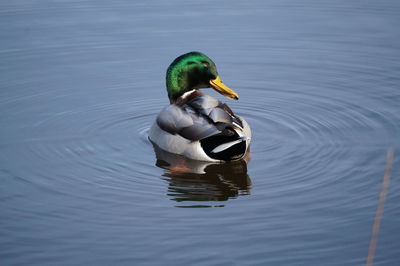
[203, 129]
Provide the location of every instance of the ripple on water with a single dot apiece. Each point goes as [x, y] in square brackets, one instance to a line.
[96, 146]
[315, 129]
[104, 140]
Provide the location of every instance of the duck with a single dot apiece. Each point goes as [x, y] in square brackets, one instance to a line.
[194, 124]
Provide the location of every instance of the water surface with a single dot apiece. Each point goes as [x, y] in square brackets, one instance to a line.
[81, 82]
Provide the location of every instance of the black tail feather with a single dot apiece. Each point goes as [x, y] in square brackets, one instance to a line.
[231, 153]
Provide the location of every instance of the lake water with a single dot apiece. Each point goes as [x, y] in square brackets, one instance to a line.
[81, 82]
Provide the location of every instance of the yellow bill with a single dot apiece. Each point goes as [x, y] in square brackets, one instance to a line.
[223, 89]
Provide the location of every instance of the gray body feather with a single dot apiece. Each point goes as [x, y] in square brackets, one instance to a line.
[199, 118]
[180, 127]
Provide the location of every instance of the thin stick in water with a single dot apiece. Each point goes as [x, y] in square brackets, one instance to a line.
[379, 210]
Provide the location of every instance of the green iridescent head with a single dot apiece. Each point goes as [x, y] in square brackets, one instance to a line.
[191, 71]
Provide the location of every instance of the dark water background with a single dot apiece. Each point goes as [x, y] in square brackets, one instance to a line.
[82, 81]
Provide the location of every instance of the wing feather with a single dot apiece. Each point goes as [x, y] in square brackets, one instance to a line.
[200, 118]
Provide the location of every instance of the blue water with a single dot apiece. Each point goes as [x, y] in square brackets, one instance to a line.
[81, 82]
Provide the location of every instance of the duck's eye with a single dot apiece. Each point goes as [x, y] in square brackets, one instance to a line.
[190, 62]
[205, 63]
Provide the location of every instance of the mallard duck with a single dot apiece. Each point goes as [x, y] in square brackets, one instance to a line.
[196, 125]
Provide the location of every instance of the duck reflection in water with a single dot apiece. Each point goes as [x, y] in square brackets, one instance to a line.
[197, 181]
